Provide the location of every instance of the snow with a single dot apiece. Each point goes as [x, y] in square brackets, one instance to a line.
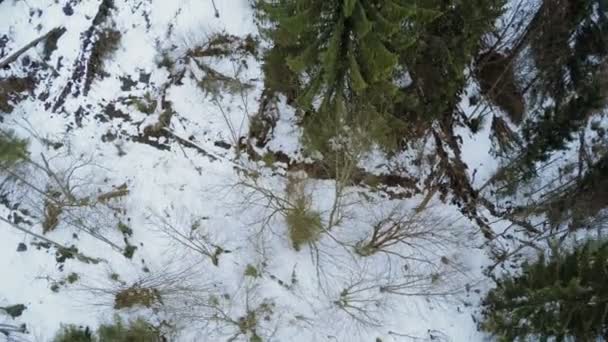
[476, 147]
[188, 185]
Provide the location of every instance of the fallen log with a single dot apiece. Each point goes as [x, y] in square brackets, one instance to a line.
[8, 60]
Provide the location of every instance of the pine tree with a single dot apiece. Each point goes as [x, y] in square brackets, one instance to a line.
[375, 65]
[344, 53]
[444, 49]
[563, 296]
[344, 46]
[569, 48]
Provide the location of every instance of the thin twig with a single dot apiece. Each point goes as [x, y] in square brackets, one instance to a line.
[40, 237]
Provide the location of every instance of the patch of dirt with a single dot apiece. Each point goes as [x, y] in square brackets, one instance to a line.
[80, 65]
[403, 186]
[127, 83]
[107, 43]
[12, 89]
[113, 113]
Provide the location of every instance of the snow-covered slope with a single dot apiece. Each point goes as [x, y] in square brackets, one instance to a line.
[191, 177]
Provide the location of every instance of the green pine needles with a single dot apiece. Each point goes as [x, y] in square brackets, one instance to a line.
[563, 296]
[12, 149]
[356, 64]
[136, 330]
[344, 55]
[343, 46]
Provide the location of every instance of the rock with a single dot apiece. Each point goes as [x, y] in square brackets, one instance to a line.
[21, 247]
[68, 10]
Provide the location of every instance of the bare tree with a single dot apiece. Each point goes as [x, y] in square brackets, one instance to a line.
[61, 190]
[82, 213]
[440, 282]
[190, 233]
[362, 301]
[411, 233]
[167, 289]
[293, 202]
[241, 315]
[225, 90]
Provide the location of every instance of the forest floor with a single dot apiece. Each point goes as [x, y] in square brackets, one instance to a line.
[145, 119]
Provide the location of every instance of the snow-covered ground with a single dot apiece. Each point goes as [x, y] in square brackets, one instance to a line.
[299, 292]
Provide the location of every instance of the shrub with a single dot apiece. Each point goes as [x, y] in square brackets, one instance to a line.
[73, 333]
[12, 149]
[146, 104]
[72, 278]
[304, 224]
[136, 296]
[133, 331]
[137, 330]
[252, 271]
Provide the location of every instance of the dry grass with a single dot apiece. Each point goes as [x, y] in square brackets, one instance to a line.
[136, 296]
[52, 211]
[304, 224]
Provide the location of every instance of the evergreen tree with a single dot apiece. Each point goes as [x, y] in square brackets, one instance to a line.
[568, 47]
[343, 46]
[563, 296]
[376, 65]
[443, 50]
[344, 53]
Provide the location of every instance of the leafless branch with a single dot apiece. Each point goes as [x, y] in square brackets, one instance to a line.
[190, 233]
